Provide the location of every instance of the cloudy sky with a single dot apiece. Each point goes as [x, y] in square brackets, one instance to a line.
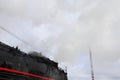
[63, 30]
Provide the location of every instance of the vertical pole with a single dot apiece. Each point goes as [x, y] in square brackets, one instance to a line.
[91, 63]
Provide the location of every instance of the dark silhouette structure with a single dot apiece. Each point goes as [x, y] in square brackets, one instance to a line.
[17, 65]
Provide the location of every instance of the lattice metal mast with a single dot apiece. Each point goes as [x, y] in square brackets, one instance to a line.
[91, 64]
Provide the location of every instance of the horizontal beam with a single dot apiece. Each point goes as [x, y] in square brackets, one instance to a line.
[24, 73]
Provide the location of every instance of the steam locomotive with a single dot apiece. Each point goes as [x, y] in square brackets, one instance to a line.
[18, 65]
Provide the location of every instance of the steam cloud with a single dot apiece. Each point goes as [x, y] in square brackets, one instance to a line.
[63, 30]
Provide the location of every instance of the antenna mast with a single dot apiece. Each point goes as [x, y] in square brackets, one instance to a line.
[91, 63]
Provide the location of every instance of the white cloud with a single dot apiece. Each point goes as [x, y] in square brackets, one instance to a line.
[63, 30]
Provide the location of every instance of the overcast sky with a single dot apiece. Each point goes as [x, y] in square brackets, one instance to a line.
[64, 29]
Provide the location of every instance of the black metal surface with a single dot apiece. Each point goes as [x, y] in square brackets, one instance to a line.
[14, 76]
[13, 58]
